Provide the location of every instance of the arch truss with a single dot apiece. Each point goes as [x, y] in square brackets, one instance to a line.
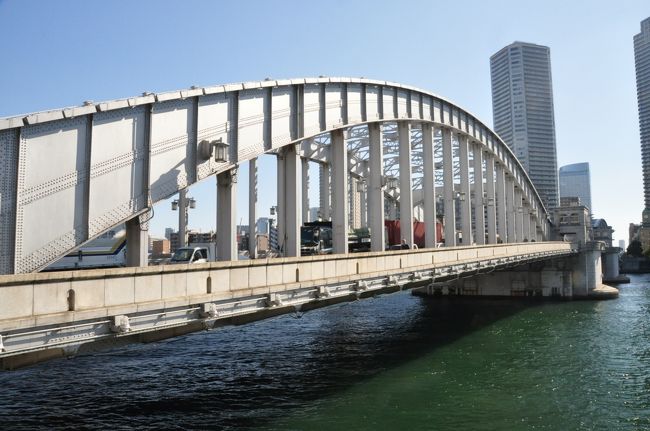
[384, 150]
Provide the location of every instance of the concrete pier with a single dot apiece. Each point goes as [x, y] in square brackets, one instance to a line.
[575, 277]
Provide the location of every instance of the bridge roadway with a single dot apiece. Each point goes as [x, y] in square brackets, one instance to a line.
[47, 315]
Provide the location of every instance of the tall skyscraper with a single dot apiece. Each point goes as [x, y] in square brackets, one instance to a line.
[522, 109]
[575, 181]
[642, 63]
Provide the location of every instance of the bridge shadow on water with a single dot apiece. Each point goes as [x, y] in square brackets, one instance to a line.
[242, 377]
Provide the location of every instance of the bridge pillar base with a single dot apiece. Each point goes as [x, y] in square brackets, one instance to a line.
[137, 243]
[611, 273]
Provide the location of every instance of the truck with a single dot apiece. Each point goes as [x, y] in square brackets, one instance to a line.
[393, 235]
[316, 238]
[194, 253]
[359, 240]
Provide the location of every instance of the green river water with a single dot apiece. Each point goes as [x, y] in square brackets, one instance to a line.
[395, 362]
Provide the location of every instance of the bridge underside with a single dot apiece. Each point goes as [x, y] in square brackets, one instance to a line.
[50, 315]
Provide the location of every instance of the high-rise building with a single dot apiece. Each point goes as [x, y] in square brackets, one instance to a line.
[522, 109]
[575, 181]
[642, 63]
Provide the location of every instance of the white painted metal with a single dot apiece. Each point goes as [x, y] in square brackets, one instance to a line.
[526, 221]
[304, 164]
[448, 189]
[182, 218]
[465, 192]
[428, 186]
[405, 182]
[137, 238]
[340, 211]
[502, 228]
[100, 165]
[9, 171]
[511, 209]
[533, 228]
[290, 210]
[375, 187]
[519, 222]
[325, 208]
[479, 201]
[252, 208]
[491, 200]
[226, 216]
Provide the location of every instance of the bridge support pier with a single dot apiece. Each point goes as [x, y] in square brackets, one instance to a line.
[576, 277]
[611, 267]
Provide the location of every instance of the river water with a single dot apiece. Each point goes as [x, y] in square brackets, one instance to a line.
[387, 363]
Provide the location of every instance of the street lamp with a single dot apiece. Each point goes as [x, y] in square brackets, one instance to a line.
[182, 204]
[189, 202]
[216, 148]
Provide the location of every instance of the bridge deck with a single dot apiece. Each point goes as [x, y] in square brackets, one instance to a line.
[45, 311]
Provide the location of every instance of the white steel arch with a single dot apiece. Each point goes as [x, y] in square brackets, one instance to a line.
[70, 174]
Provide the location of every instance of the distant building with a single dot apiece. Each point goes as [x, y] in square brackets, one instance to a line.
[621, 244]
[570, 201]
[160, 248]
[572, 223]
[262, 242]
[314, 213]
[642, 65]
[633, 233]
[602, 231]
[575, 181]
[522, 109]
[193, 237]
[273, 238]
[243, 237]
[174, 242]
[263, 226]
[201, 237]
[168, 232]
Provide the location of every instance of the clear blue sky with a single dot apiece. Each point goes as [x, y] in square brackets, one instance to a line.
[58, 54]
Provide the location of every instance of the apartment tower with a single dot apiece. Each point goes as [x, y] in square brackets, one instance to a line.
[522, 109]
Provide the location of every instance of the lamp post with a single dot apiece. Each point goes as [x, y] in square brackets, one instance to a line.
[273, 210]
[182, 204]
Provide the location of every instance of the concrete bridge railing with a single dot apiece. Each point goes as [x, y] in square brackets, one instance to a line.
[28, 300]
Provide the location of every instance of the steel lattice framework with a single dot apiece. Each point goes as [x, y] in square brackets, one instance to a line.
[70, 174]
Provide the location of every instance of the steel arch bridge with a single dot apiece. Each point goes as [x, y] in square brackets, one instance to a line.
[68, 175]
